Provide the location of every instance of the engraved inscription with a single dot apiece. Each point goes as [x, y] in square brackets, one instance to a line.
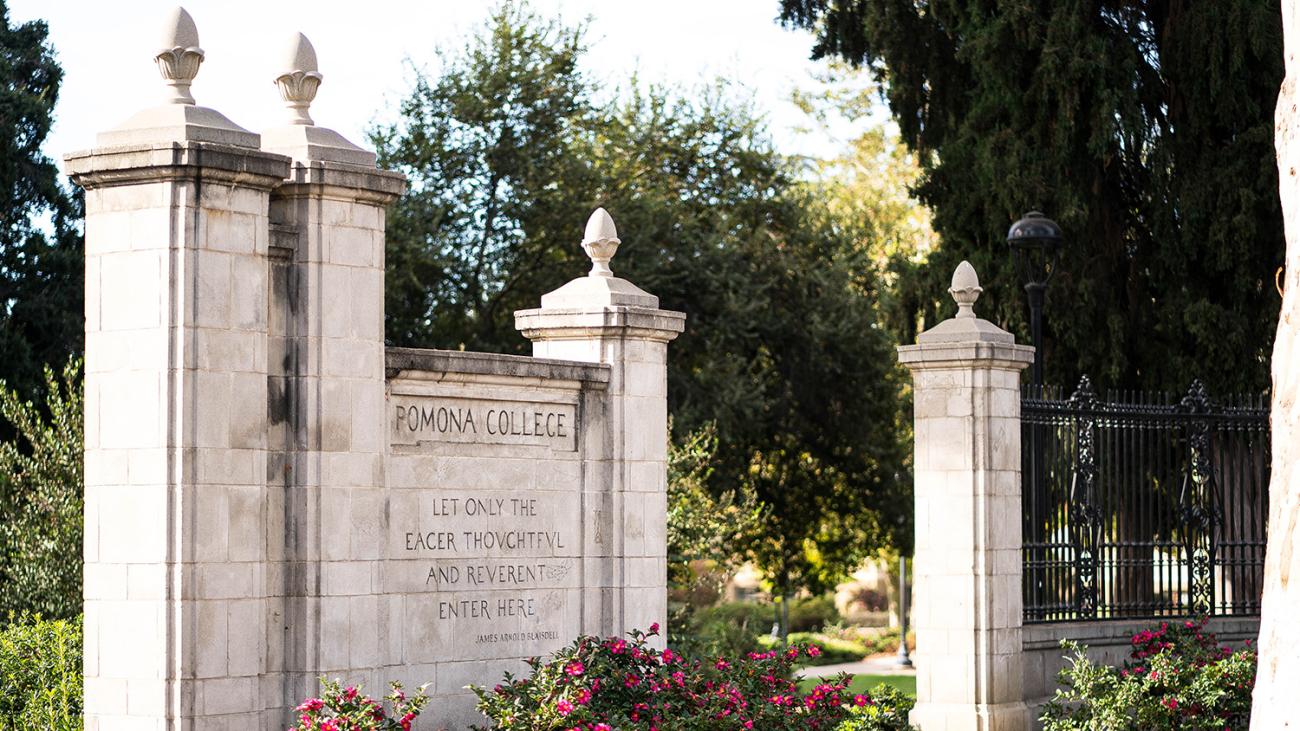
[417, 419]
[499, 568]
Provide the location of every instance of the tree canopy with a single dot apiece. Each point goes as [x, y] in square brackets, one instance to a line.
[1143, 128]
[40, 240]
[511, 146]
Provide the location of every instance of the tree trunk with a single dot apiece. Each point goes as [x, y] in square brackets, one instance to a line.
[1279, 636]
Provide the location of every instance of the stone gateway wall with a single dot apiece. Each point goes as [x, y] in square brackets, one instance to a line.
[273, 495]
[496, 538]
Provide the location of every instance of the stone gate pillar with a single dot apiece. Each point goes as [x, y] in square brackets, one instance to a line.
[967, 604]
[601, 318]
[327, 385]
[175, 460]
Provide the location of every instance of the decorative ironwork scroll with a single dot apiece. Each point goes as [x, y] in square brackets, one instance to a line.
[1197, 503]
[1085, 515]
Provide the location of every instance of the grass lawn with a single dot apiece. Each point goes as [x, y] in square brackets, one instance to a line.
[864, 683]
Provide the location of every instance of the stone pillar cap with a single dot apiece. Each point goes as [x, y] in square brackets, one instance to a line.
[299, 137]
[178, 119]
[600, 288]
[965, 327]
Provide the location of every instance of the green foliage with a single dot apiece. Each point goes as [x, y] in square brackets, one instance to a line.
[348, 708]
[730, 629]
[41, 498]
[495, 181]
[875, 639]
[830, 650]
[507, 152]
[886, 711]
[1145, 129]
[866, 194]
[41, 278]
[603, 685]
[1177, 677]
[702, 527]
[40, 674]
[813, 613]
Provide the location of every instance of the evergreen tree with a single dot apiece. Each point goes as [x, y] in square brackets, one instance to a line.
[507, 153]
[40, 241]
[1144, 129]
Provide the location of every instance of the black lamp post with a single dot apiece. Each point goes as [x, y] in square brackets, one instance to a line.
[903, 658]
[1036, 241]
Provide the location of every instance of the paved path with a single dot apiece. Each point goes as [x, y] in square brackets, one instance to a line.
[874, 665]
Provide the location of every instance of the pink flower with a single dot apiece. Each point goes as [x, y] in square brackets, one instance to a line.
[584, 697]
[814, 651]
[860, 700]
[564, 708]
[574, 668]
[654, 628]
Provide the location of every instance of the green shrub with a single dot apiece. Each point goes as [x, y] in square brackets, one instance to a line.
[1177, 677]
[41, 499]
[875, 639]
[40, 675]
[725, 630]
[830, 650]
[886, 710]
[812, 613]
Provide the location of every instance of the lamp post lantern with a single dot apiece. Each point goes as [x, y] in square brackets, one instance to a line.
[1036, 242]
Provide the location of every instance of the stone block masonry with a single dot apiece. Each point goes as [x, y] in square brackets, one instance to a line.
[967, 616]
[273, 495]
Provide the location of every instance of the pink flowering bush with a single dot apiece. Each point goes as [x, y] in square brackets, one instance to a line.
[620, 684]
[347, 709]
[1177, 677]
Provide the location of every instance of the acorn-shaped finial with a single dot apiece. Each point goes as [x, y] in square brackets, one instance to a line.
[600, 242]
[965, 289]
[299, 79]
[179, 55]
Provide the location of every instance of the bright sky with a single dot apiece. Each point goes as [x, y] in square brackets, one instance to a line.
[106, 50]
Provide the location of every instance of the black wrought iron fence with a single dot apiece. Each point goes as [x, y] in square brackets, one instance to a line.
[1142, 504]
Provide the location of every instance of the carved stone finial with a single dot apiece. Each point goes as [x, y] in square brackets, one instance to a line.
[601, 242]
[179, 55]
[965, 289]
[300, 79]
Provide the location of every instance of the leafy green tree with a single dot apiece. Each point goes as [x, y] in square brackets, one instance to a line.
[1143, 128]
[40, 241]
[495, 181]
[702, 526]
[509, 150]
[41, 499]
[865, 191]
